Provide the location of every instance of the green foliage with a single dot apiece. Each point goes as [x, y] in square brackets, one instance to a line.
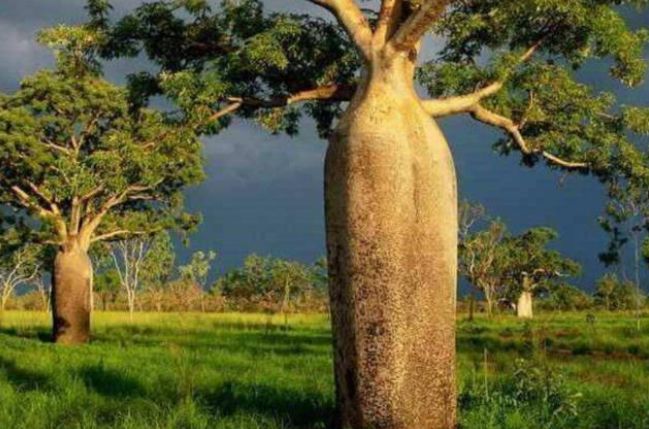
[159, 264]
[74, 155]
[528, 258]
[565, 297]
[503, 265]
[615, 294]
[198, 268]
[273, 284]
[206, 55]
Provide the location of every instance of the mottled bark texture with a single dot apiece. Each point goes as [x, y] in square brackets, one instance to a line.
[524, 308]
[71, 294]
[391, 215]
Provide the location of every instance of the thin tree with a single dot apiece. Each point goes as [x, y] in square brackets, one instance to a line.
[390, 184]
[196, 272]
[483, 261]
[128, 258]
[20, 267]
[88, 168]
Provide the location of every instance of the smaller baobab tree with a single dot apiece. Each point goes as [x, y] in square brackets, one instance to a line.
[88, 167]
[531, 266]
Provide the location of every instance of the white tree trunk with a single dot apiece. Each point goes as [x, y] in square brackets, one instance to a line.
[524, 308]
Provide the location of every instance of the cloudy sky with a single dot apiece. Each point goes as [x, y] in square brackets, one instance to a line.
[264, 193]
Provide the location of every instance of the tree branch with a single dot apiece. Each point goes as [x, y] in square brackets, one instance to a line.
[353, 21]
[121, 232]
[413, 30]
[388, 19]
[491, 118]
[460, 104]
[333, 92]
[463, 103]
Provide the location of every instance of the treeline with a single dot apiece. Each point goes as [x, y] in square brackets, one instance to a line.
[141, 274]
[512, 271]
[611, 293]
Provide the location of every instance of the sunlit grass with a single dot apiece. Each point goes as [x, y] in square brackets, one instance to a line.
[255, 371]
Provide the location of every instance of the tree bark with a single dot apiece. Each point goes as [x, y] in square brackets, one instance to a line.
[524, 308]
[391, 216]
[71, 289]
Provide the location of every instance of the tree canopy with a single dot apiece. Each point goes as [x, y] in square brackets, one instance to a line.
[78, 158]
[509, 64]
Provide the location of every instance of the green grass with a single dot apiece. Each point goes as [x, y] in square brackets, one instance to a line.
[246, 371]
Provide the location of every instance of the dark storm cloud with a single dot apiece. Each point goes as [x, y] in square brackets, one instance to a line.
[264, 193]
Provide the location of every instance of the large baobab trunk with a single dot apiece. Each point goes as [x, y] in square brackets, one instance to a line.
[391, 214]
[524, 308]
[71, 289]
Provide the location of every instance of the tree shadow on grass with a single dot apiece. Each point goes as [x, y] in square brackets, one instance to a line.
[22, 378]
[109, 382]
[32, 333]
[295, 409]
[249, 342]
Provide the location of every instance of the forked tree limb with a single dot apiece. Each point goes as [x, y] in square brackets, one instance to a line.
[333, 92]
[388, 21]
[413, 30]
[488, 117]
[353, 21]
[120, 233]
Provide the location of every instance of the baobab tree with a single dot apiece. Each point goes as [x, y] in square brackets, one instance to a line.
[531, 265]
[75, 158]
[390, 186]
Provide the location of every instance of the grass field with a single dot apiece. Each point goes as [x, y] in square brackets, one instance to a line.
[247, 371]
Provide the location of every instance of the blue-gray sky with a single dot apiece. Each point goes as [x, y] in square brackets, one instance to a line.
[264, 193]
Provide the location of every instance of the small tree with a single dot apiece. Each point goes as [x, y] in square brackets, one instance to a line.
[128, 256]
[615, 294]
[78, 159]
[44, 291]
[107, 286]
[20, 266]
[482, 261]
[158, 268]
[197, 271]
[288, 278]
[565, 297]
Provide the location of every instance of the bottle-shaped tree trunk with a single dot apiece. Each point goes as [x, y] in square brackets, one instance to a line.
[524, 307]
[71, 289]
[391, 214]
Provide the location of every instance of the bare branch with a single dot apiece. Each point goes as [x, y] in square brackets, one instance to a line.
[413, 30]
[461, 104]
[491, 118]
[26, 201]
[332, 92]
[121, 232]
[231, 108]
